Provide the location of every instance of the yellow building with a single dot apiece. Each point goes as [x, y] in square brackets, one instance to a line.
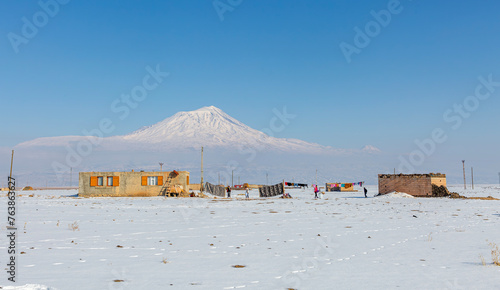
[134, 183]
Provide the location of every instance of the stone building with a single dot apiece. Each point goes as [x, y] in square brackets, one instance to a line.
[134, 183]
[413, 184]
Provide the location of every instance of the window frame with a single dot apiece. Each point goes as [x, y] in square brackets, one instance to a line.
[152, 181]
[101, 179]
[108, 183]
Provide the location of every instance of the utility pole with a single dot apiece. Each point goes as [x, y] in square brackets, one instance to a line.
[472, 176]
[239, 180]
[267, 178]
[11, 163]
[161, 166]
[201, 183]
[463, 166]
[232, 178]
[316, 176]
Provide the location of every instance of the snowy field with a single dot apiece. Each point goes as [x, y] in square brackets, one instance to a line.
[344, 241]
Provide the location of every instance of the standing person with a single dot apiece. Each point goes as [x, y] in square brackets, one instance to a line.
[366, 191]
[316, 190]
[228, 191]
[247, 193]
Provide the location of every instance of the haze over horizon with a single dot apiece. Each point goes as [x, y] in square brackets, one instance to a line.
[416, 79]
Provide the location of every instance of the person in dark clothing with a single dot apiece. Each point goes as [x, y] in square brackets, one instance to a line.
[366, 191]
[228, 191]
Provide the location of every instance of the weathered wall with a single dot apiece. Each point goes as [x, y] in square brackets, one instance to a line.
[413, 184]
[130, 183]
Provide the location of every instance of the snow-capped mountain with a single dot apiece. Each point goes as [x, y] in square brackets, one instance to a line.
[209, 127]
[209, 124]
[370, 149]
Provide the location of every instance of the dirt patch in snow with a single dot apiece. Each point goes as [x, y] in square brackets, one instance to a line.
[483, 198]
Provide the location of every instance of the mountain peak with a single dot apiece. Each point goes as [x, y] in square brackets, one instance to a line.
[208, 109]
[212, 111]
[370, 149]
[207, 125]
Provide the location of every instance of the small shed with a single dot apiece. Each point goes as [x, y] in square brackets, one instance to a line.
[413, 184]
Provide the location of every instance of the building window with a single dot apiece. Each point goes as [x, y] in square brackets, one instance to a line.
[100, 181]
[152, 180]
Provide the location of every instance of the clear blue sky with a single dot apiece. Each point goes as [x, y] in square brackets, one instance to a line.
[263, 55]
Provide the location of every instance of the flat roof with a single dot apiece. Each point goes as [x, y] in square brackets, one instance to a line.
[440, 175]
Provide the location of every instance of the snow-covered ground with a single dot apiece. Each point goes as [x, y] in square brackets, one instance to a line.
[344, 241]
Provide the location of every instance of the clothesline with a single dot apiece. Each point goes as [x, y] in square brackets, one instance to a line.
[295, 184]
